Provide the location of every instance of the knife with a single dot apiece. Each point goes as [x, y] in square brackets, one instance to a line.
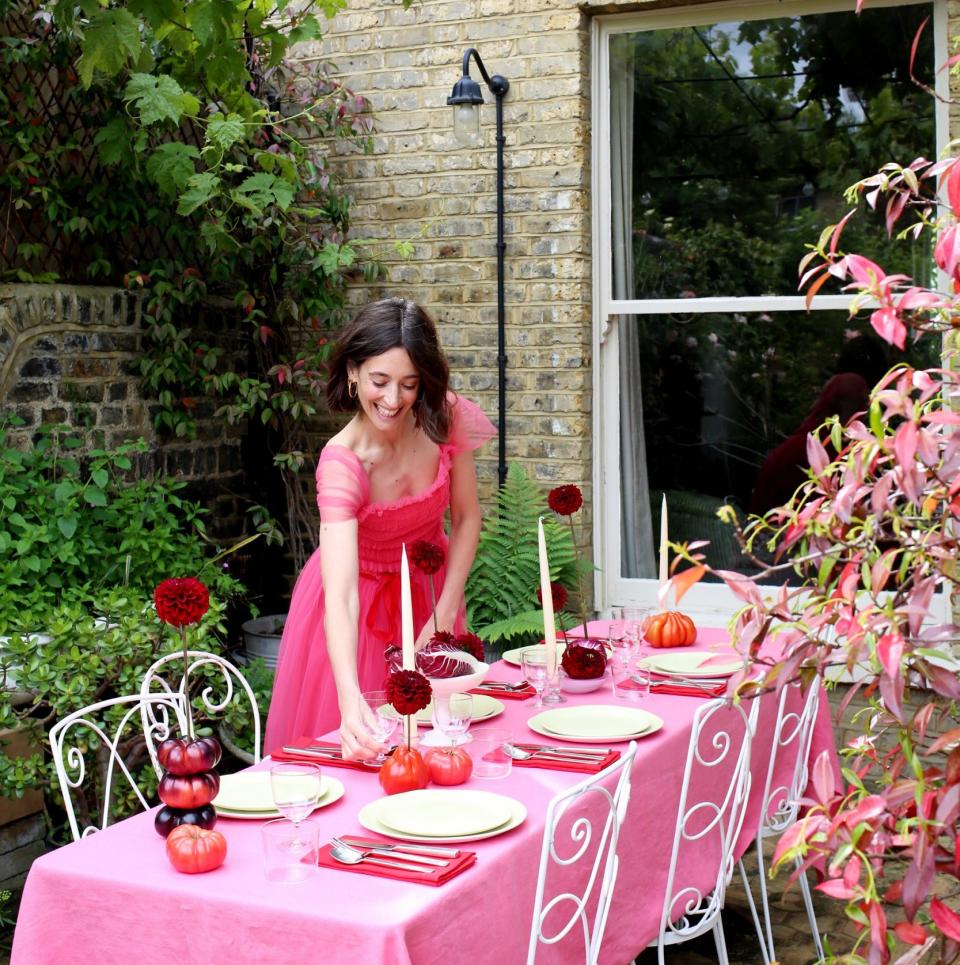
[589, 752]
[402, 848]
[332, 753]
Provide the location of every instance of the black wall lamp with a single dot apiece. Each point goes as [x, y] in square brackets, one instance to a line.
[466, 99]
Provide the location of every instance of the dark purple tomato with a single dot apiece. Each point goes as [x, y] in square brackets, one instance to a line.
[169, 818]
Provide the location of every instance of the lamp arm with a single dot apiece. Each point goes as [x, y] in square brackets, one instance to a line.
[498, 85]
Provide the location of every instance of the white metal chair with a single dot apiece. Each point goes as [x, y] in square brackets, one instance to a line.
[599, 804]
[720, 738]
[110, 745]
[792, 735]
[216, 695]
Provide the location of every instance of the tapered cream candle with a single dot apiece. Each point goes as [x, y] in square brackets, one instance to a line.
[664, 561]
[406, 613]
[549, 627]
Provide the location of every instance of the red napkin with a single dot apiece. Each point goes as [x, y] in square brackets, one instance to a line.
[680, 690]
[552, 764]
[525, 693]
[324, 760]
[434, 876]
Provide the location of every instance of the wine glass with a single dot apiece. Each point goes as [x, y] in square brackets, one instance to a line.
[453, 717]
[534, 664]
[296, 791]
[636, 619]
[380, 719]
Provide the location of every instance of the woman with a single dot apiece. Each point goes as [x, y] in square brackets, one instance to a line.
[387, 478]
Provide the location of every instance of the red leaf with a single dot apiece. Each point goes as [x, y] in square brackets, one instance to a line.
[684, 580]
[871, 806]
[886, 323]
[905, 443]
[913, 57]
[917, 882]
[910, 933]
[822, 776]
[836, 888]
[947, 920]
[889, 652]
[878, 925]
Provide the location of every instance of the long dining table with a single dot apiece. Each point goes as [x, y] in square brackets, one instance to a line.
[114, 897]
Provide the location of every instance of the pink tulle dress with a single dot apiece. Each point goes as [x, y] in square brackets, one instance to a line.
[304, 700]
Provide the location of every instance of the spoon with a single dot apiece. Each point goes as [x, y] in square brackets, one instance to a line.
[521, 755]
[347, 855]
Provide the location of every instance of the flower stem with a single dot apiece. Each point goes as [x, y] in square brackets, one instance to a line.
[433, 604]
[186, 682]
[576, 553]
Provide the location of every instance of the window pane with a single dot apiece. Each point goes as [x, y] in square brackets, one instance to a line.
[727, 400]
[732, 145]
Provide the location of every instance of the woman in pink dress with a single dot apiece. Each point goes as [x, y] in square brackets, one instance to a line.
[387, 478]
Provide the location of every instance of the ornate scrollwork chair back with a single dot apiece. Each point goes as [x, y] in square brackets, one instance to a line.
[792, 738]
[710, 815]
[104, 743]
[215, 680]
[582, 828]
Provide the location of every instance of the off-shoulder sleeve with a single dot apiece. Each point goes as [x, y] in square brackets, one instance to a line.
[342, 485]
[471, 428]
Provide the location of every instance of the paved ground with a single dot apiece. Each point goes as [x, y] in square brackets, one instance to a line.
[791, 933]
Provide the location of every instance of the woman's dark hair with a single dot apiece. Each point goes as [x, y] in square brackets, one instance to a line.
[379, 327]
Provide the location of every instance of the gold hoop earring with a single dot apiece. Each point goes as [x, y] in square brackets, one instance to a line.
[353, 390]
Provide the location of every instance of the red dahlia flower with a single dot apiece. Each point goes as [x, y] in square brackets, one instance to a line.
[408, 691]
[565, 500]
[558, 593]
[583, 663]
[471, 643]
[426, 557]
[181, 602]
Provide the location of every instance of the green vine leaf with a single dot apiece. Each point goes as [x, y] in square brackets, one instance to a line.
[111, 39]
[261, 190]
[225, 132]
[159, 98]
[171, 166]
[200, 189]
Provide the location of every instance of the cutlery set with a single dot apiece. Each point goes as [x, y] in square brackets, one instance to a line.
[402, 857]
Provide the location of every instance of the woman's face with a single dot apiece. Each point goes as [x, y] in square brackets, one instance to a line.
[387, 387]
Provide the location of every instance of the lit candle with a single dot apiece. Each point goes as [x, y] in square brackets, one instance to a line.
[549, 627]
[664, 562]
[406, 613]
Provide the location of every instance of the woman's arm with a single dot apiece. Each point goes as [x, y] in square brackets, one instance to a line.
[465, 522]
[340, 572]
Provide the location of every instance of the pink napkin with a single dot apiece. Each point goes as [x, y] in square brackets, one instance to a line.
[552, 764]
[434, 876]
[324, 760]
[525, 693]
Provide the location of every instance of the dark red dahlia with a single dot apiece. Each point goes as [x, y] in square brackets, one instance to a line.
[471, 643]
[583, 663]
[558, 593]
[181, 602]
[443, 637]
[408, 691]
[426, 557]
[565, 500]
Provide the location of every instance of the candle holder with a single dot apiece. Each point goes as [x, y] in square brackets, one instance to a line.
[443, 688]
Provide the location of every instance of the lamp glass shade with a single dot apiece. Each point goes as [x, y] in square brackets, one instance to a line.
[466, 124]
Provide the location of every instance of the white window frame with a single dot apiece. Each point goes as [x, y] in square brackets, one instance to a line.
[708, 602]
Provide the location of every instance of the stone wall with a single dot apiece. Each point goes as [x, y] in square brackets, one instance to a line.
[68, 355]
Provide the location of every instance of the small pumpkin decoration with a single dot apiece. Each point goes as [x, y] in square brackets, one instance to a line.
[670, 628]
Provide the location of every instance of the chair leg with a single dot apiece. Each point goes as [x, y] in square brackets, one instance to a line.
[753, 909]
[811, 917]
[765, 900]
[720, 941]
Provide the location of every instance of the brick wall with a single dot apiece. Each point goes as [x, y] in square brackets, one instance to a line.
[68, 354]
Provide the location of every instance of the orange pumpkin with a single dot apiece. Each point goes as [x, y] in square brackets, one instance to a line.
[670, 629]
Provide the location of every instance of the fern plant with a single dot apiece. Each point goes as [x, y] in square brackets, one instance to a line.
[502, 605]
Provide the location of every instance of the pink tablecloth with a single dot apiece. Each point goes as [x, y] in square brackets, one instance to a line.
[113, 897]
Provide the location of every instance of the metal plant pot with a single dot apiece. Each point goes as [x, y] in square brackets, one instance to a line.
[261, 638]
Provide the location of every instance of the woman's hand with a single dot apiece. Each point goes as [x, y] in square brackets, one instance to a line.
[445, 621]
[355, 741]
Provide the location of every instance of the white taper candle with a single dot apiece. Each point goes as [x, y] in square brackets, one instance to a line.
[549, 626]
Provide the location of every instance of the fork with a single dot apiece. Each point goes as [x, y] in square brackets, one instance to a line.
[346, 855]
[367, 850]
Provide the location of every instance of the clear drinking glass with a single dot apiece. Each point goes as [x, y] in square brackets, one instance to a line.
[380, 719]
[635, 620]
[534, 664]
[295, 789]
[289, 850]
[454, 715]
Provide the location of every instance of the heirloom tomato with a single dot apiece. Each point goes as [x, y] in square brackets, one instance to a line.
[449, 765]
[182, 757]
[670, 629]
[404, 770]
[169, 818]
[194, 850]
[187, 793]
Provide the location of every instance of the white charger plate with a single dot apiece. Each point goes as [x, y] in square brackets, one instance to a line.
[595, 723]
[368, 819]
[331, 790]
[689, 664]
[444, 813]
[484, 708]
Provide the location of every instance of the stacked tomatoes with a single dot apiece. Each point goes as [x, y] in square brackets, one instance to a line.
[190, 783]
